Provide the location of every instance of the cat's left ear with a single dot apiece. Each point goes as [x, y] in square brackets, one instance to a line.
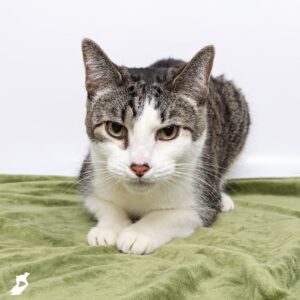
[101, 72]
[193, 79]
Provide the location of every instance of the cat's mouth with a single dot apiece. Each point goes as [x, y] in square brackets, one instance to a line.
[140, 185]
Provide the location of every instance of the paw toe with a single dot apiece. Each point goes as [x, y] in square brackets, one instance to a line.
[134, 242]
[98, 236]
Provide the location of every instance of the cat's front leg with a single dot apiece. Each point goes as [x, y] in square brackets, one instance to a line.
[111, 220]
[156, 229]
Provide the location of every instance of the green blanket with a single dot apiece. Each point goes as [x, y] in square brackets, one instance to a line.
[252, 252]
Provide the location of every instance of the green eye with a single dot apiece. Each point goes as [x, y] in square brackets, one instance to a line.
[167, 133]
[116, 130]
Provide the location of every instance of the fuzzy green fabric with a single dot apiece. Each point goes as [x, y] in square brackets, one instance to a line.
[252, 252]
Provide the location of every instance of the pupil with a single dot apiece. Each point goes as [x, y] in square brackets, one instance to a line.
[168, 131]
[116, 127]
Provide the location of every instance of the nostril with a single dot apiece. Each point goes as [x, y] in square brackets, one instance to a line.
[139, 170]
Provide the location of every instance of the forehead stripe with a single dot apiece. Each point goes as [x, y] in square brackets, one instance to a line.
[131, 105]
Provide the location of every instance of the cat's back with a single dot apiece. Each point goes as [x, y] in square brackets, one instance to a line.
[168, 63]
[159, 72]
[228, 116]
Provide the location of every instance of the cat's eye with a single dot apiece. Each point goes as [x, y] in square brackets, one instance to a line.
[116, 130]
[167, 133]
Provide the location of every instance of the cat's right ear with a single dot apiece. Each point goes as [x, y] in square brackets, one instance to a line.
[193, 79]
[101, 72]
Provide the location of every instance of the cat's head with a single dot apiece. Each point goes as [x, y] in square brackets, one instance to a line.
[146, 126]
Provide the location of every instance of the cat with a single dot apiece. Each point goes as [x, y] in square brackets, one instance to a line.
[162, 139]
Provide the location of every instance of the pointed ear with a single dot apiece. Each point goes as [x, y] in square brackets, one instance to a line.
[101, 72]
[193, 79]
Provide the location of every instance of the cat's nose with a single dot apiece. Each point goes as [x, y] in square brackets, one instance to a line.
[139, 170]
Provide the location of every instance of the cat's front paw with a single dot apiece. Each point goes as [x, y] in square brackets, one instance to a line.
[227, 203]
[99, 236]
[134, 241]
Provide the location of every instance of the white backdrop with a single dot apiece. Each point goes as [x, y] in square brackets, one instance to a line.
[42, 95]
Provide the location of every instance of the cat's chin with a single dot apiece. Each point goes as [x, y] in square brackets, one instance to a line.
[139, 186]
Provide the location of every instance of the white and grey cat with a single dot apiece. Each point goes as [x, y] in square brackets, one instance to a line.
[161, 140]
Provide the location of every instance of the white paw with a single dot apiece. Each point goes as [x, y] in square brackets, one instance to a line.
[98, 236]
[131, 240]
[227, 203]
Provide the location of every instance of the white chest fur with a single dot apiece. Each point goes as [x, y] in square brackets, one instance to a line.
[178, 194]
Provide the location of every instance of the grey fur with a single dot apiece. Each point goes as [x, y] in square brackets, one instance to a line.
[220, 107]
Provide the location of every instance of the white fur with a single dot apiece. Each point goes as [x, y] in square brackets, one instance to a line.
[143, 135]
[164, 201]
[157, 228]
[227, 203]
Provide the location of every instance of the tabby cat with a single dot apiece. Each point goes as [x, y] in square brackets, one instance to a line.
[161, 141]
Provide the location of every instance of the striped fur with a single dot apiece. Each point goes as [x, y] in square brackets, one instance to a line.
[212, 111]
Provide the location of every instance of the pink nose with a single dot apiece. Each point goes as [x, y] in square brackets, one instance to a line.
[139, 170]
